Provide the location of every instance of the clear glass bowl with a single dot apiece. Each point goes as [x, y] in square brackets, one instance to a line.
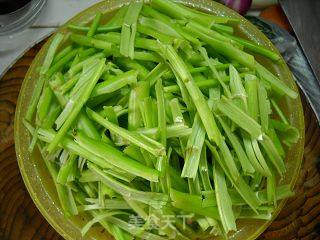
[14, 25]
[36, 176]
[20, 19]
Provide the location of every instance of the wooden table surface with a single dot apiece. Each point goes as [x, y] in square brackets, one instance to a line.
[21, 220]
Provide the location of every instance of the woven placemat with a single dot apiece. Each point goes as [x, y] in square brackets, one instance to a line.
[21, 220]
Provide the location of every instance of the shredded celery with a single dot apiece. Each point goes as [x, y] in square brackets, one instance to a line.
[161, 123]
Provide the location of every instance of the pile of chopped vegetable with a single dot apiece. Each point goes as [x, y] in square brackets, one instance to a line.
[160, 124]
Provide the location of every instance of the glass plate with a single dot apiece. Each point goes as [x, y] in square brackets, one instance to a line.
[36, 176]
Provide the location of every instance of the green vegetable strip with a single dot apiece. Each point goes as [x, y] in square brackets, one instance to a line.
[222, 28]
[148, 109]
[135, 230]
[185, 95]
[198, 69]
[166, 183]
[116, 157]
[135, 153]
[202, 106]
[271, 190]
[61, 54]
[194, 185]
[95, 24]
[173, 29]
[115, 83]
[224, 202]
[155, 34]
[86, 73]
[117, 18]
[176, 112]
[156, 200]
[108, 204]
[180, 12]
[239, 117]
[224, 48]
[251, 86]
[137, 208]
[242, 188]
[173, 131]
[33, 141]
[53, 113]
[176, 181]
[204, 171]
[118, 233]
[205, 224]
[214, 95]
[279, 112]
[171, 9]
[132, 64]
[129, 28]
[264, 107]
[277, 85]
[283, 191]
[70, 145]
[91, 42]
[289, 134]
[83, 124]
[112, 117]
[57, 39]
[97, 219]
[214, 71]
[277, 143]
[137, 94]
[211, 33]
[76, 59]
[88, 176]
[146, 56]
[79, 66]
[64, 193]
[228, 161]
[77, 108]
[144, 43]
[175, 231]
[202, 84]
[84, 53]
[192, 204]
[153, 147]
[193, 149]
[249, 214]
[238, 93]
[61, 63]
[273, 154]
[209, 19]
[162, 123]
[245, 163]
[150, 161]
[254, 47]
[100, 29]
[69, 84]
[260, 157]
[75, 96]
[252, 156]
[159, 26]
[162, 167]
[155, 73]
[65, 170]
[44, 104]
